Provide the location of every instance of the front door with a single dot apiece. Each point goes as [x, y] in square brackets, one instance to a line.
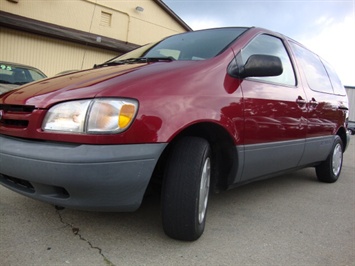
[274, 114]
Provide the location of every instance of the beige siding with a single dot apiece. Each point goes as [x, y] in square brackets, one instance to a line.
[127, 24]
[49, 55]
[116, 19]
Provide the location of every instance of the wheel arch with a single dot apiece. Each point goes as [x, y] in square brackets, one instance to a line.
[224, 153]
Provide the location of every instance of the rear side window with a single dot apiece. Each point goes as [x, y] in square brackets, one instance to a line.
[338, 87]
[34, 75]
[313, 68]
[269, 45]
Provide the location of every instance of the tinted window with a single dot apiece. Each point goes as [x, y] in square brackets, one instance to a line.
[269, 45]
[338, 87]
[313, 68]
[35, 75]
[10, 74]
[196, 45]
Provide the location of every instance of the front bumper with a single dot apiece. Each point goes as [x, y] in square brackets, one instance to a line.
[85, 177]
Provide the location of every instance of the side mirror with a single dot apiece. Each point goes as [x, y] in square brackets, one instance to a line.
[258, 65]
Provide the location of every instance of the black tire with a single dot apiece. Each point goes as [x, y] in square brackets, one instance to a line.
[188, 172]
[329, 170]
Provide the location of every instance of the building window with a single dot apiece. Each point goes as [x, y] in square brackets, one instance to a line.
[106, 19]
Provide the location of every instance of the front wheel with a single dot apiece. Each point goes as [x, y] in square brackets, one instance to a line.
[329, 170]
[186, 189]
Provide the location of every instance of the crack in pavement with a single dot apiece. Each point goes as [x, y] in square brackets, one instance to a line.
[76, 230]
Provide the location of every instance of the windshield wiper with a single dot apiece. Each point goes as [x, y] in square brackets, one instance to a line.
[117, 62]
[157, 59]
[135, 61]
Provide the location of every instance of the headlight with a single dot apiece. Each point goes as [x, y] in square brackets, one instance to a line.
[91, 116]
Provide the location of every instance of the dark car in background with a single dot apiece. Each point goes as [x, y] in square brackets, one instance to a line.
[195, 113]
[351, 127]
[13, 75]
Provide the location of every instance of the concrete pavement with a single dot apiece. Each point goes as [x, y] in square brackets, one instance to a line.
[288, 220]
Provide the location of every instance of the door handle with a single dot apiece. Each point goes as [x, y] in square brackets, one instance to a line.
[300, 101]
[313, 102]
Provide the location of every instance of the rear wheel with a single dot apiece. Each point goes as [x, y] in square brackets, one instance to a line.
[329, 170]
[186, 189]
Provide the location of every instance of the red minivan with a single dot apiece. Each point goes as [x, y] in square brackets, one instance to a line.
[194, 113]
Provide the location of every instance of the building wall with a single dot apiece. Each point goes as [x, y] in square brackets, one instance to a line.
[47, 54]
[126, 23]
[351, 95]
[116, 19]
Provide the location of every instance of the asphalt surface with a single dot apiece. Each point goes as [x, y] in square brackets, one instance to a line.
[288, 220]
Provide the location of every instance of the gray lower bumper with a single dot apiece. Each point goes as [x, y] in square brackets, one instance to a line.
[86, 177]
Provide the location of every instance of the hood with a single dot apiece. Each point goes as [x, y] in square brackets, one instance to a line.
[79, 85]
[115, 81]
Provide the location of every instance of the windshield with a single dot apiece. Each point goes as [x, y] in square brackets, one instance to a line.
[18, 75]
[195, 45]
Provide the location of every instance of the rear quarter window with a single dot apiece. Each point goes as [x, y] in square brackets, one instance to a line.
[34, 75]
[338, 86]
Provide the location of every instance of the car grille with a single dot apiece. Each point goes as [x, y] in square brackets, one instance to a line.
[15, 116]
[17, 108]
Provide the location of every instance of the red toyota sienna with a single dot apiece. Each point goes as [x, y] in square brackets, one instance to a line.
[194, 113]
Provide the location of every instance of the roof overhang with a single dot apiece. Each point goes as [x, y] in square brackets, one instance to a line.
[25, 24]
[173, 15]
[20, 23]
